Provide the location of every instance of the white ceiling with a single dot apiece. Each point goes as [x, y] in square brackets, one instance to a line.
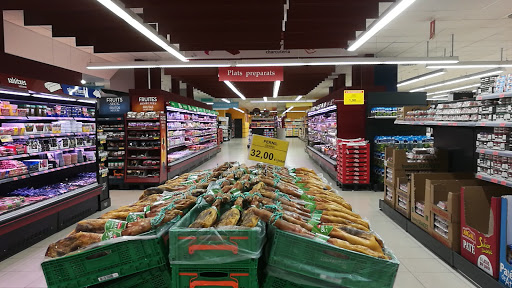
[480, 27]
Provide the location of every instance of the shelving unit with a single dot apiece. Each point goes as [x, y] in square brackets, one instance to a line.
[224, 125]
[111, 135]
[322, 134]
[264, 126]
[192, 136]
[292, 127]
[38, 152]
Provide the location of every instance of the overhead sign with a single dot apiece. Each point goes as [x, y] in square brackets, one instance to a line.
[40, 86]
[268, 150]
[147, 103]
[353, 97]
[224, 105]
[251, 74]
[260, 54]
[114, 106]
[432, 29]
[299, 104]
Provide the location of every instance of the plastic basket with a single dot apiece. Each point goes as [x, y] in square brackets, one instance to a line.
[213, 246]
[234, 275]
[331, 264]
[274, 282]
[156, 277]
[116, 258]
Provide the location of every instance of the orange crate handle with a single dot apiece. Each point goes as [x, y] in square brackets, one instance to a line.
[232, 284]
[194, 248]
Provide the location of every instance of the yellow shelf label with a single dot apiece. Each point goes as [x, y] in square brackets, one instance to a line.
[353, 97]
[268, 150]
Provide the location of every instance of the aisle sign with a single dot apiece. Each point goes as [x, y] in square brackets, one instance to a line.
[268, 150]
[353, 97]
[251, 74]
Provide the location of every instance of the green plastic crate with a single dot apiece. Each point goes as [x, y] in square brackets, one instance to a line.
[156, 277]
[325, 262]
[110, 261]
[213, 246]
[235, 275]
[274, 282]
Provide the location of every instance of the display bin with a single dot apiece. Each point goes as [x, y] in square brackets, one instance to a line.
[156, 277]
[333, 265]
[116, 258]
[214, 246]
[235, 275]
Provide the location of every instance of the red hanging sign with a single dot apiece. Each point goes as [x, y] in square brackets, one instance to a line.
[251, 74]
[432, 29]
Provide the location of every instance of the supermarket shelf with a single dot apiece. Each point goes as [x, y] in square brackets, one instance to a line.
[263, 119]
[32, 136]
[116, 149]
[204, 141]
[449, 256]
[143, 158]
[60, 168]
[494, 180]
[175, 136]
[191, 156]
[200, 135]
[143, 148]
[116, 168]
[115, 158]
[320, 159]
[42, 153]
[112, 129]
[382, 117]
[143, 168]
[150, 138]
[146, 120]
[177, 128]
[109, 118]
[142, 179]
[11, 179]
[143, 129]
[191, 120]
[323, 156]
[269, 127]
[115, 139]
[33, 118]
[177, 145]
[494, 96]
[494, 152]
[455, 124]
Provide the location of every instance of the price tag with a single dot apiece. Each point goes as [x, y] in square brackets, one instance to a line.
[6, 138]
[268, 150]
[353, 97]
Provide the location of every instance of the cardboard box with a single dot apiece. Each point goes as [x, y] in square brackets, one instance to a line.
[403, 196]
[480, 225]
[397, 159]
[447, 220]
[418, 188]
[402, 111]
[506, 242]
[389, 195]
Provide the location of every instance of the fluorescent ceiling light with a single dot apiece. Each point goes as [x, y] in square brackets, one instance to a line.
[225, 100]
[239, 110]
[459, 79]
[87, 100]
[280, 62]
[232, 87]
[296, 111]
[441, 96]
[53, 97]
[298, 98]
[83, 82]
[209, 103]
[283, 101]
[276, 88]
[380, 23]
[265, 99]
[454, 89]
[287, 110]
[421, 77]
[437, 99]
[136, 22]
[473, 64]
[14, 93]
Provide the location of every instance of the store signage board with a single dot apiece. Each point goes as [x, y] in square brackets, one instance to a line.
[268, 150]
[114, 106]
[251, 74]
[224, 105]
[262, 54]
[353, 97]
[147, 103]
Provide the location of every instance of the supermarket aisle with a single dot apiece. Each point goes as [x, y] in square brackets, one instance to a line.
[419, 267]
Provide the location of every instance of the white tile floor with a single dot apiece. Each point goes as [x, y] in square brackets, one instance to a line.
[418, 267]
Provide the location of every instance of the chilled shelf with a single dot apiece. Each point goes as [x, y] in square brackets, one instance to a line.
[494, 180]
[143, 129]
[143, 168]
[191, 156]
[143, 148]
[455, 124]
[32, 136]
[333, 162]
[145, 138]
[495, 152]
[142, 158]
[137, 119]
[494, 96]
[34, 118]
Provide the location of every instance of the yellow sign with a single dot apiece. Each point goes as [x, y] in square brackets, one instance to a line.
[268, 150]
[353, 97]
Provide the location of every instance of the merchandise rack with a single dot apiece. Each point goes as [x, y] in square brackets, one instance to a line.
[264, 126]
[193, 136]
[104, 143]
[134, 170]
[323, 138]
[450, 257]
[292, 127]
[26, 225]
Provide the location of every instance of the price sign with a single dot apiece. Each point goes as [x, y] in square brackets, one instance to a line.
[6, 138]
[353, 97]
[268, 150]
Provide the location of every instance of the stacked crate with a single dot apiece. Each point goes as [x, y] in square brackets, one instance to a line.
[214, 257]
[353, 162]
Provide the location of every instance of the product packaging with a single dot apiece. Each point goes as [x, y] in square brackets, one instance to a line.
[505, 273]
